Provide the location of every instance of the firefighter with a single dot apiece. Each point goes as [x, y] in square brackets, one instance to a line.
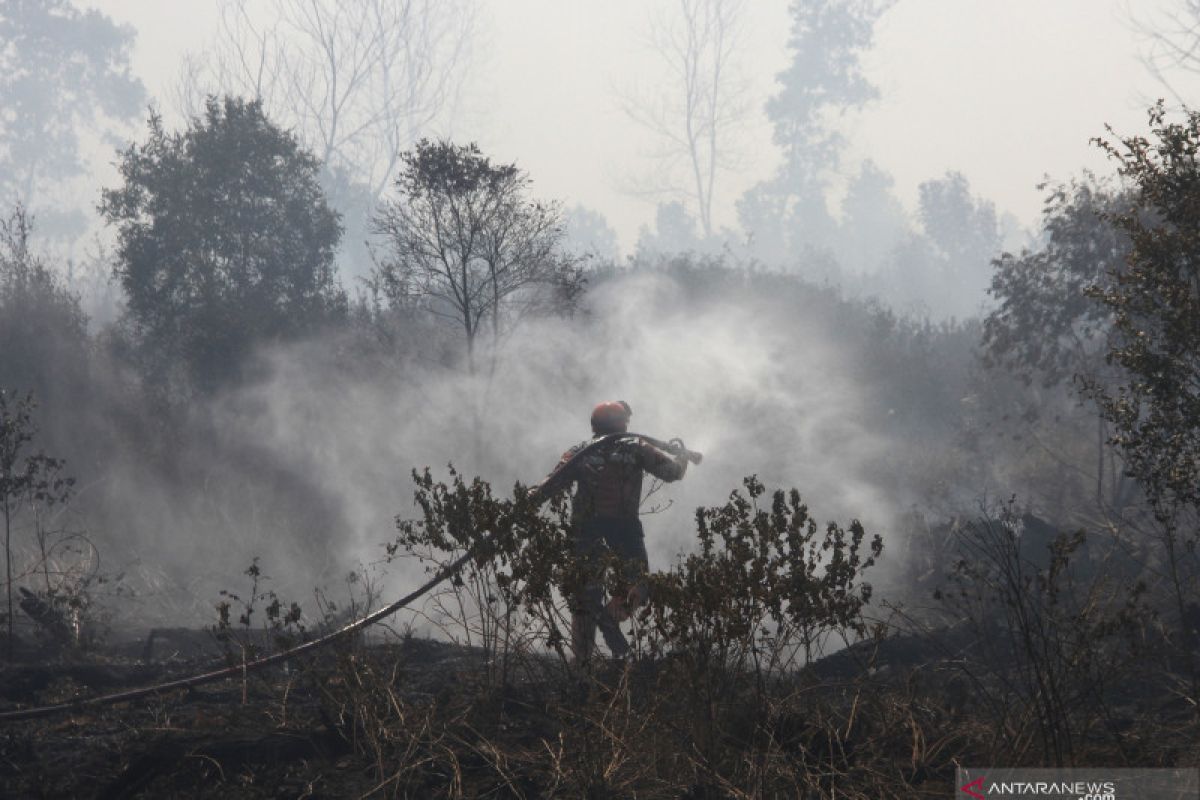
[604, 517]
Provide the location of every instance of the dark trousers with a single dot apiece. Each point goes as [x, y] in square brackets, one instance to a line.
[594, 540]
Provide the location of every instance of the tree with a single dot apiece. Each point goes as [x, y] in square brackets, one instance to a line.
[824, 77]
[943, 268]
[1046, 330]
[43, 331]
[1154, 300]
[873, 220]
[356, 80]
[965, 236]
[698, 115]
[225, 240]
[674, 232]
[62, 72]
[463, 238]
[963, 228]
[588, 234]
[26, 479]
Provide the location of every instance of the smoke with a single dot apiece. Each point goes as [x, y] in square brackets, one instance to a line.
[754, 388]
[307, 464]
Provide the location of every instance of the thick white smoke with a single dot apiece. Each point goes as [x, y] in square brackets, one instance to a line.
[306, 466]
[756, 389]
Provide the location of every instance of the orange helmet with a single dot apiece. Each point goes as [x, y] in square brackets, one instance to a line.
[611, 416]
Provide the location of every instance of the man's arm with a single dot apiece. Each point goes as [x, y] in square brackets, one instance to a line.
[558, 479]
[659, 463]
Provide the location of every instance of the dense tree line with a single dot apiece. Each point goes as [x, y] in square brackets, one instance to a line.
[227, 247]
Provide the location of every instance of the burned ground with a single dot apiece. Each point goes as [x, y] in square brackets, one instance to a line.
[414, 717]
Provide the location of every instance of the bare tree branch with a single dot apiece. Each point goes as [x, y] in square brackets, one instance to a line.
[1170, 44]
[357, 80]
[697, 117]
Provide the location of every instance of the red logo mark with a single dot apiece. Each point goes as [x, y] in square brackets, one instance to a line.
[978, 784]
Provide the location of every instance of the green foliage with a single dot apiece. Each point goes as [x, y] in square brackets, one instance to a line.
[719, 647]
[763, 576]
[765, 590]
[1053, 337]
[1046, 328]
[225, 241]
[763, 595]
[506, 597]
[283, 621]
[1154, 300]
[1155, 306]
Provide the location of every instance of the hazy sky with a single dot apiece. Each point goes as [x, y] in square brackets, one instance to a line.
[1003, 92]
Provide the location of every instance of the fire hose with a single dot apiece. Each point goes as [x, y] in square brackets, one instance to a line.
[548, 487]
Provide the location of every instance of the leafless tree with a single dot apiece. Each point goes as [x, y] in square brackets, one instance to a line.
[357, 80]
[1170, 43]
[697, 115]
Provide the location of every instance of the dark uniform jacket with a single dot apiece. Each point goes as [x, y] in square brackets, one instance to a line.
[609, 480]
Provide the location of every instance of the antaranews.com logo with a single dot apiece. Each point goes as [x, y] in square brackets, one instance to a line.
[998, 783]
[1083, 790]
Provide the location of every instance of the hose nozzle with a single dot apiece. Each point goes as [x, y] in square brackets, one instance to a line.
[678, 448]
